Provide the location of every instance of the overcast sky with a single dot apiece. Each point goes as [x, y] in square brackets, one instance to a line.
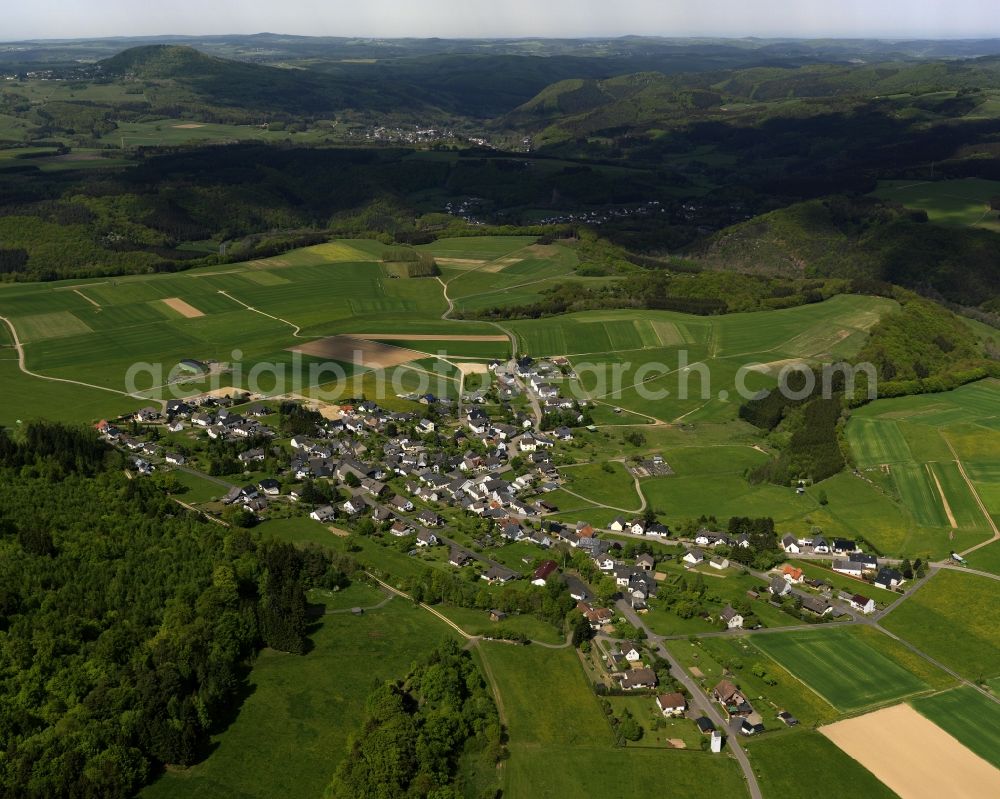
[494, 18]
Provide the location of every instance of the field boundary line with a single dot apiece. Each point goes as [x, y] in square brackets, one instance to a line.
[979, 501]
[944, 499]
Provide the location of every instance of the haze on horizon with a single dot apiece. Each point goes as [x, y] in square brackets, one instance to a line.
[889, 19]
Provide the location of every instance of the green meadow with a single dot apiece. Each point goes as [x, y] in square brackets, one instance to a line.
[954, 618]
[561, 745]
[916, 444]
[778, 763]
[967, 715]
[93, 331]
[960, 203]
[849, 670]
[294, 726]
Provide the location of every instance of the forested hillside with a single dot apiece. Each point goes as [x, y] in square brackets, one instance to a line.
[127, 624]
[861, 237]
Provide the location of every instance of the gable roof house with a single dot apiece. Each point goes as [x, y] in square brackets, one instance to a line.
[792, 574]
[672, 704]
[733, 620]
[646, 562]
[638, 678]
[426, 539]
[355, 505]
[731, 699]
[888, 578]
[790, 544]
[323, 513]
[867, 562]
[631, 652]
[499, 574]
[546, 568]
[848, 567]
[779, 587]
[817, 605]
[401, 503]
[862, 603]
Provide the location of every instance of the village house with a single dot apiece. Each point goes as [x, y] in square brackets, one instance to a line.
[848, 567]
[269, 486]
[498, 574]
[672, 704]
[646, 562]
[694, 556]
[631, 652]
[733, 620]
[862, 603]
[888, 578]
[816, 605]
[792, 574]
[426, 539]
[323, 513]
[636, 679]
[542, 573]
[731, 699]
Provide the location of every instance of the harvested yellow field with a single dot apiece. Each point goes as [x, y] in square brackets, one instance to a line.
[185, 309]
[913, 756]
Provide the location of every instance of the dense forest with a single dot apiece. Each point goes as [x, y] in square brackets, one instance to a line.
[127, 624]
[419, 729]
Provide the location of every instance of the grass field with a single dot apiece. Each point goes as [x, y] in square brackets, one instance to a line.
[95, 330]
[477, 622]
[957, 203]
[293, 729]
[615, 487]
[955, 618]
[778, 763]
[709, 654]
[985, 559]
[918, 441]
[967, 715]
[561, 745]
[841, 667]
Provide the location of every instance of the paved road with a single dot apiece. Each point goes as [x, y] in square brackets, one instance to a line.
[699, 698]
